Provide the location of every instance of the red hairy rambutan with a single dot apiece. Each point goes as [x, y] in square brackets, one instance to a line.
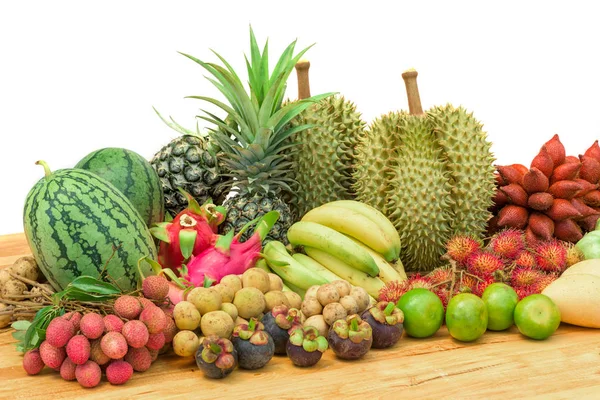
[440, 274]
[482, 285]
[483, 264]
[508, 243]
[461, 247]
[417, 281]
[521, 277]
[525, 259]
[392, 291]
[551, 256]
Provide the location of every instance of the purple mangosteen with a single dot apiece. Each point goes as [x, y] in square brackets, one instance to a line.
[306, 346]
[386, 322]
[216, 357]
[255, 347]
[350, 338]
[279, 323]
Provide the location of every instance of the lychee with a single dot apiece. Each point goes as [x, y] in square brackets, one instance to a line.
[67, 370]
[156, 341]
[140, 359]
[146, 302]
[461, 247]
[96, 353]
[154, 354]
[154, 318]
[59, 331]
[118, 372]
[112, 323]
[89, 374]
[128, 307]
[155, 287]
[78, 349]
[136, 333]
[551, 256]
[32, 362]
[483, 264]
[508, 243]
[525, 259]
[170, 330]
[92, 325]
[74, 317]
[114, 345]
[52, 356]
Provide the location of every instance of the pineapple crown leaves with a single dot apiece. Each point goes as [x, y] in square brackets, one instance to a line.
[171, 123]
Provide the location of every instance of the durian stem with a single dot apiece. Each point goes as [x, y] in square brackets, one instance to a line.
[412, 92]
[302, 67]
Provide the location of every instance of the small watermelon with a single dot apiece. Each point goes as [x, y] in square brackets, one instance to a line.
[76, 223]
[133, 175]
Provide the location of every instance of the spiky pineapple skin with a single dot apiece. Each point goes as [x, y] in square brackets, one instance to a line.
[325, 157]
[185, 162]
[242, 209]
[376, 159]
[470, 163]
[418, 194]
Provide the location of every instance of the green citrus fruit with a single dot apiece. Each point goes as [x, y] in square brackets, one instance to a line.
[500, 300]
[537, 316]
[466, 317]
[423, 312]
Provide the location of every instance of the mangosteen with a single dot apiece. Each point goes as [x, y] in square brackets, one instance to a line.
[255, 347]
[386, 322]
[279, 322]
[216, 357]
[306, 346]
[350, 338]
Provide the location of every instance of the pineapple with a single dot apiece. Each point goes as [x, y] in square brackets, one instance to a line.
[189, 162]
[254, 139]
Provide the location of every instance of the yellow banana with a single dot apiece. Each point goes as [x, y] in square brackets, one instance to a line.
[374, 215]
[311, 234]
[345, 271]
[357, 225]
[315, 267]
[288, 269]
[387, 271]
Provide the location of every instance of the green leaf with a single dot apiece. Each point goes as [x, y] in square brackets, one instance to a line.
[74, 293]
[21, 325]
[18, 335]
[93, 285]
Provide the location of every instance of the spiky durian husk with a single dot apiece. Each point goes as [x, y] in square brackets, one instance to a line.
[324, 160]
[418, 196]
[376, 158]
[469, 161]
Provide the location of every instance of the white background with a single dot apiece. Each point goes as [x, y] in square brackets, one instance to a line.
[76, 76]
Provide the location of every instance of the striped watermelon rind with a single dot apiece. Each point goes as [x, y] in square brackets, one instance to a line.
[133, 175]
[75, 220]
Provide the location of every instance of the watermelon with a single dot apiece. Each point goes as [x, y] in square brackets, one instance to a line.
[76, 223]
[133, 175]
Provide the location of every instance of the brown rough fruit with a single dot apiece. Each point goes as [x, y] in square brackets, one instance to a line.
[556, 150]
[499, 179]
[590, 169]
[592, 199]
[541, 225]
[513, 216]
[562, 209]
[583, 209]
[516, 194]
[568, 231]
[565, 172]
[543, 162]
[540, 201]
[510, 173]
[535, 181]
[564, 189]
[500, 198]
[588, 224]
[593, 151]
[531, 237]
[586, 187]
[521, 168]
[571, 159]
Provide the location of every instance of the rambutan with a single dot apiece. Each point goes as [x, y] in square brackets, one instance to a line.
[551, 256]
[524, 291]
[419, 282]
[440, 274]
[461, 247]
[392, 291]
[574, 255]
[545, 281]
[483, 264]
[522, 277]
[466, 284]
[525, 259]
[444, 294]
[508, 243]
[482, 285]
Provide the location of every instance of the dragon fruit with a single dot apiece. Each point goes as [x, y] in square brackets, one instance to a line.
[228, 255]
[191, 232]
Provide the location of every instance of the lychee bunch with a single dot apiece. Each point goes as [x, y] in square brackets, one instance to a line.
[557, 197]
[80, 346]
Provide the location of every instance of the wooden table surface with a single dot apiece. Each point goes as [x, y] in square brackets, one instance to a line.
[499, 365]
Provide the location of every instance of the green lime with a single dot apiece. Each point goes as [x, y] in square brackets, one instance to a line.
[537, 316]
[500, 300]
[423, 312]
[466, 317]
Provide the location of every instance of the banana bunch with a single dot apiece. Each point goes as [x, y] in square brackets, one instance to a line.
[343, 239]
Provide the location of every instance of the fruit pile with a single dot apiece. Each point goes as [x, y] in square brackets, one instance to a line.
[557, 196]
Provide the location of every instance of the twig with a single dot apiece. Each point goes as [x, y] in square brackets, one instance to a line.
[114, 251]
[30, 282]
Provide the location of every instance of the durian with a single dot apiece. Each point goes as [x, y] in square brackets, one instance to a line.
[470, 164]
[325, 157]
[419, 194]
[377, 156]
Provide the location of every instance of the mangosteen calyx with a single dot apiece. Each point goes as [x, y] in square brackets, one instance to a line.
[350, 338]
[253, 332]
[216, 357]
[387, 313]
[255, 347]
[386, 323]
[309, 339]
[279, 322]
